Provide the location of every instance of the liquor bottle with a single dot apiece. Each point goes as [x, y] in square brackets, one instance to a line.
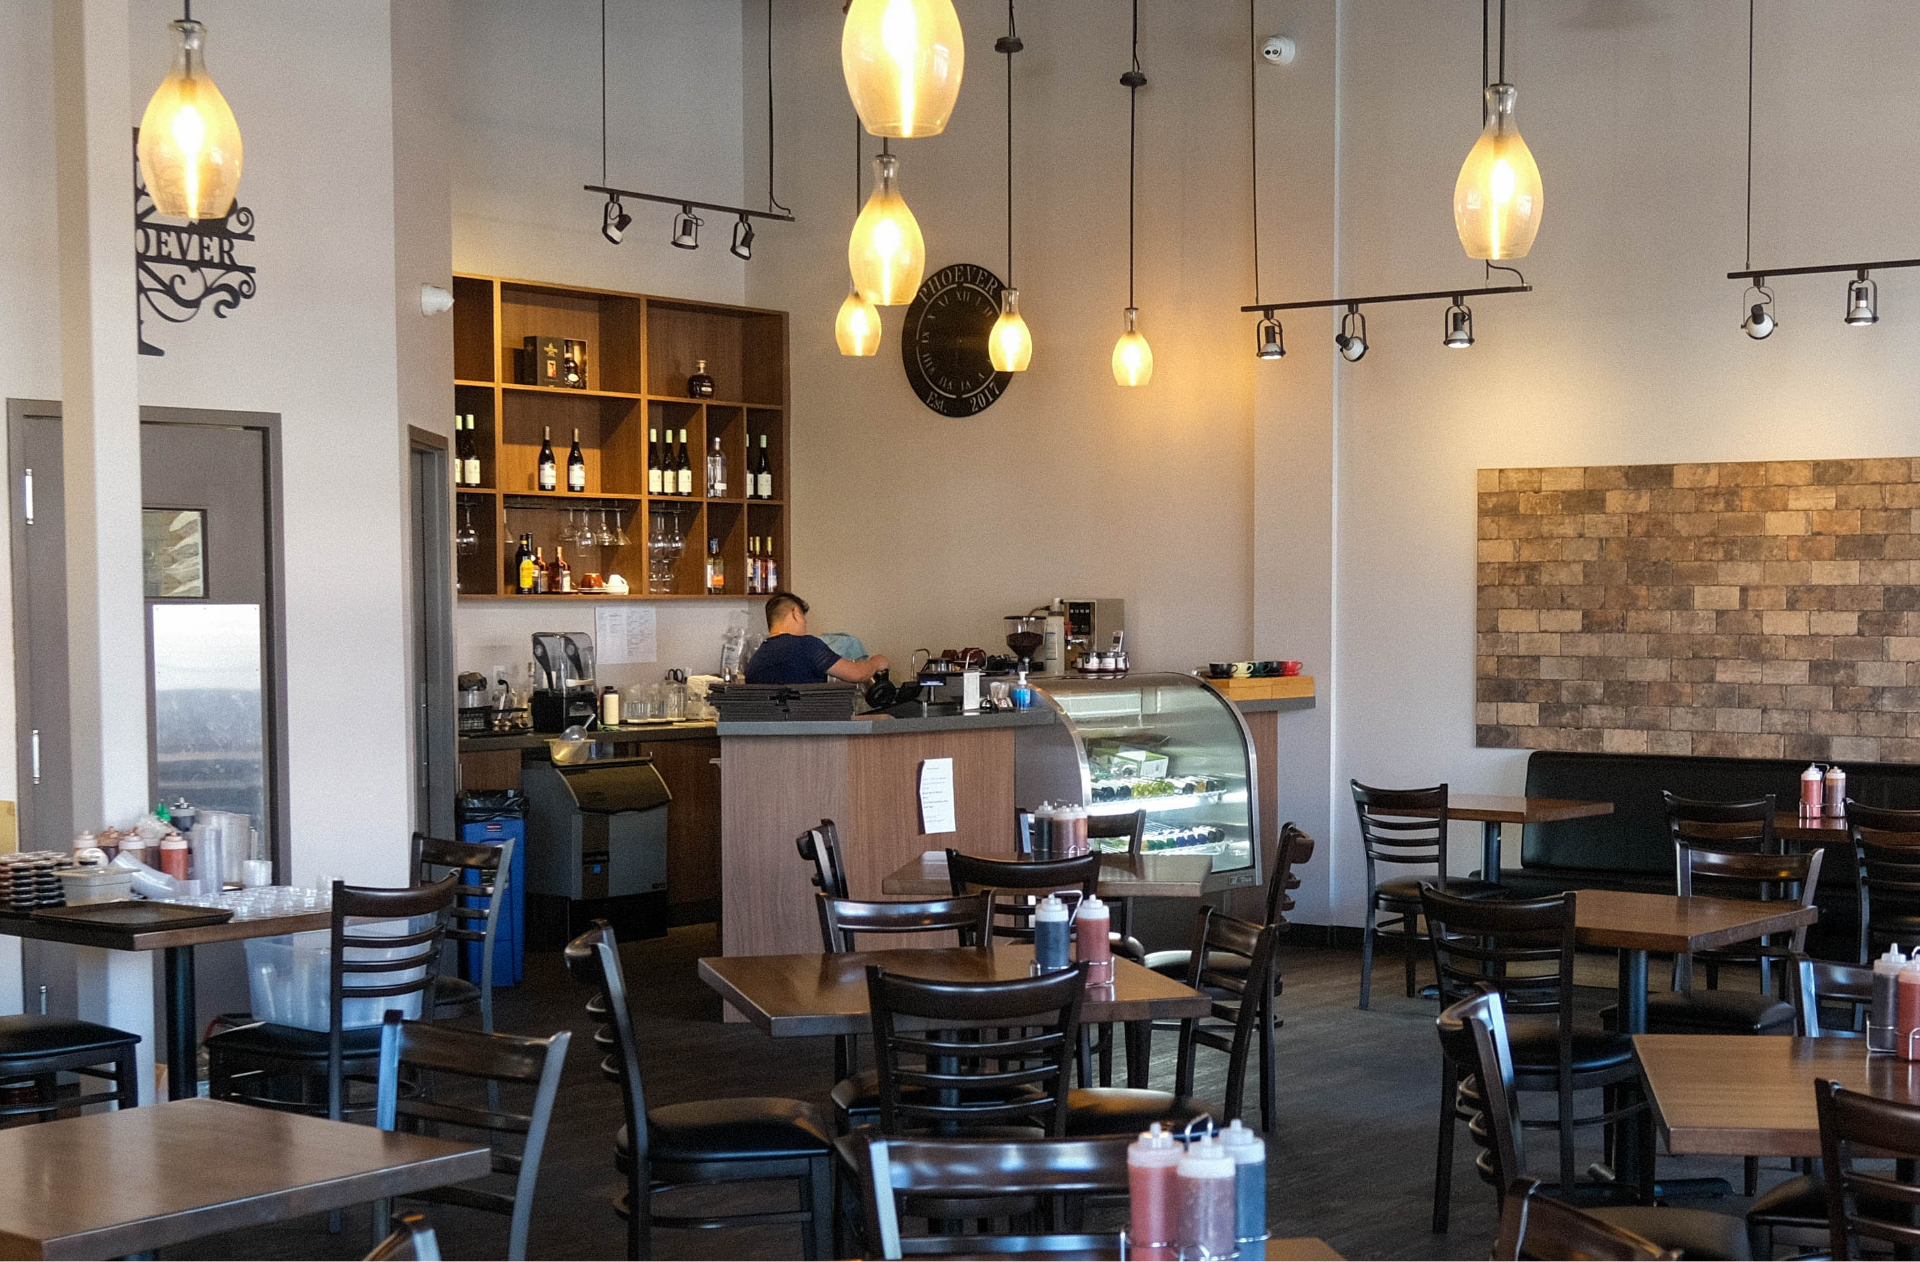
[473, 454]
[547, 479]
[542, 580]
[763, 473]
[561, 579]
[716, 473]
[700, 386]
[756, 568]
[576, 466]
[684, 473]
[716, 569]
[769, 567]
[571, 373]
[653, 461]
[523, 566]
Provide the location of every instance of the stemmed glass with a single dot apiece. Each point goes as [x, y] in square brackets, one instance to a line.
[605, 537]
[467, 540]
[620, 539]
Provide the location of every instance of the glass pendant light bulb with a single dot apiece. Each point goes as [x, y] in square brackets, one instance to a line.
[1132, 357]
[1497, 199]
[902, 60]
[189, 144]
[1009, 344]
[857, 327]
[886, 252]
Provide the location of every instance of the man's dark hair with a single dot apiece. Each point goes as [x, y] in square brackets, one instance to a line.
[778, 605]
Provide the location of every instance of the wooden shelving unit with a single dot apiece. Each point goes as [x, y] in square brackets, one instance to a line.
[640, 352]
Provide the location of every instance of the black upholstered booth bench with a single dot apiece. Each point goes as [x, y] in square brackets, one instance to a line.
[1631, 849]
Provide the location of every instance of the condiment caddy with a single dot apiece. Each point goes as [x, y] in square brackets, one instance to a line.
[1201, 1196]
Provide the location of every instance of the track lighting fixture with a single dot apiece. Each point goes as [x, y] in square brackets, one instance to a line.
[614, 222]
[1270, 339]
[742, 247]
[189, 143]
[1759, 322]
[1459, 327]
[686, 229]
[1863, 300]
[1352, 337]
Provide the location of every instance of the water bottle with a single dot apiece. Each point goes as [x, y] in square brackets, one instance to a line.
[1882, 1012]
[1050, 935]
[1906, 1009]
[1096, 947]
[1249, 1153]
[1150, 1185]
[1204, 1189]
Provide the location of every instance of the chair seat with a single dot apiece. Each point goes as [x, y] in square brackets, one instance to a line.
[454, 992]
[34, 1035]
[739, 1129]
[1175, 964]
[1696, 1233]
[1803, 1199]
[1718, 1012]
[286, 1042]
[1406, 889]
[861, 1093]
[1536, 1047]
[1095, 1111]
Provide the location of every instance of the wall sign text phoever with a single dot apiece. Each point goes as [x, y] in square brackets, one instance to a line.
[1754, 610]
[182, 267]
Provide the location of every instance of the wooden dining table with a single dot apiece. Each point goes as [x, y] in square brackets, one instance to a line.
[1146, 875]
[796, 996]
[1493, 810]
[130, 1181]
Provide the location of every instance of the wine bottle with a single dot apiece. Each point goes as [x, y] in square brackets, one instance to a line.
[562, 577]
[473, 454]
[547, 479]
[716, 472]
[523, 566]
[716, 569]
[756, 577]
[685, 471]
[576, 466]
[763, 473]
[459, 450]
[542, 580]
[653, 461]
[770, 568]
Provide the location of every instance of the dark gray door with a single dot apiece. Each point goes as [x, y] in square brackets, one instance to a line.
[435, 738]
[38, 506]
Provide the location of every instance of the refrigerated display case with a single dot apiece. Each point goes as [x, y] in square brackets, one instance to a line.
[1163, 743]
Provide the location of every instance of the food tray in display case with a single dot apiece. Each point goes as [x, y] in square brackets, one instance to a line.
[1162, 743]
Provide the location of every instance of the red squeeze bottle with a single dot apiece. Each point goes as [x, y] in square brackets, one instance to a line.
[1150, 1178]
[1906, 1018]
[1092, 944]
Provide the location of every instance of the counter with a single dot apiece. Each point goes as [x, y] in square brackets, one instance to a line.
[1037, 717]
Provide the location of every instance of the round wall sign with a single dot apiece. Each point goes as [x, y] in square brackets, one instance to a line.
[944, 340]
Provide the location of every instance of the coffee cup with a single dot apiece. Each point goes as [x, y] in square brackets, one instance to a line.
[1289, 668]
[1243, 670]
[1220, 670]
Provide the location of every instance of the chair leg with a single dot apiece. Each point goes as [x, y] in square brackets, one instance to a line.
[1268, 1086]
[1752, 1173]
[1443, 1157]
[1085, 1057]
[1106, 1055]
[1566, 1133]
[126, 1079]
[1366, 956]
[1409, 922]
[640, 1212]
[817, 1190]
[1139, 1051]
[1647, 1149]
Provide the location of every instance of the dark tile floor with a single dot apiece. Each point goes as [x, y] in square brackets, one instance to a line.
[1351, 1159]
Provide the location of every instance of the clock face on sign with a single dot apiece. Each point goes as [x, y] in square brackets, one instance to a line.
[944, 341]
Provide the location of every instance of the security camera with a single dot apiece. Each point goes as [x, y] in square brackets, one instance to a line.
[1278, 49]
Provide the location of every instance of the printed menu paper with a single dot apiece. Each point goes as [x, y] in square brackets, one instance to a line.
[936, 795]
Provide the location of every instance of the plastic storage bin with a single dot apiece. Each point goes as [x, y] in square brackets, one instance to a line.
[289, 976]
[488, 818]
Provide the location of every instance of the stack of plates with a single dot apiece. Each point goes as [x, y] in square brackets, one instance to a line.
[781, 703]
[28, 880]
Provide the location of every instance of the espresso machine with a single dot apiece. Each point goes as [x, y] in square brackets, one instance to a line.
[565, 696]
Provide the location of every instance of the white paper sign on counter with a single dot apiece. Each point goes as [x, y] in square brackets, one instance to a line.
[936, 795]
[624, 634]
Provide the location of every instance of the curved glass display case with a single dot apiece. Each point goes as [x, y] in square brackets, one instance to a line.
[1163, 743]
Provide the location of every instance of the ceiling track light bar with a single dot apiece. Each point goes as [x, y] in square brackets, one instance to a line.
[1268, 308]
[1761, 273]
[741, 211]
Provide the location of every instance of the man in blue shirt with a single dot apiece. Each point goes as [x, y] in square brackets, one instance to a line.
[791, 656]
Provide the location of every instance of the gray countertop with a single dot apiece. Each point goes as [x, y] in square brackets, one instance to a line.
[1039, 717]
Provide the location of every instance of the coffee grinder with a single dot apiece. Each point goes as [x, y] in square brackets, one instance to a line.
[565, 697]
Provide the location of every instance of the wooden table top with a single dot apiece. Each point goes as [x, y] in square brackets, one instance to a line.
[110, 1184]
[1793, 826]
[1301, 1249]
[1752, 1095]
[1148, 876]
[1493, 808]
[794, 995]
[113, 939]
[1667, 922]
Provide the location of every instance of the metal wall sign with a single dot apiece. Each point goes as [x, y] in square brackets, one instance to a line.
[182, 267]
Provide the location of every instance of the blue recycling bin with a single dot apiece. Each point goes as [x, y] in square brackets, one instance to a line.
[489, 819]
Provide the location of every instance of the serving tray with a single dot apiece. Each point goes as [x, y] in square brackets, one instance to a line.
[134, 915]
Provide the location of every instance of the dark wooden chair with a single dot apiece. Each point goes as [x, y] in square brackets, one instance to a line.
[245, 1063]
[1886, 845]
[1725, 828]
[1405, 828]
[700, 1142]
[40, 1048]
[424, 1053]
[1243, 998]
[1045, 1170]
[1473, 1035]
[1868, 1206]
[820, 846]
[1536, 1226]
[1524, 951]
[485, 871]
[1294, 848]
[412, 1240]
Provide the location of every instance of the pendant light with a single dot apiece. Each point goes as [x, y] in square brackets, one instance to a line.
[1132, 357]
[886, 252]
[902, 60]
[189, 143]
[1269, 339]
[1497, 199]
[857, 328]
[1009, 344]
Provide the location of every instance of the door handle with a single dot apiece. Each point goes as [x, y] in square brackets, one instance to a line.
[36, 755]
[26, 495]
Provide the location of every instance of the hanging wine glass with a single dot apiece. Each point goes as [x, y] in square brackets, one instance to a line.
[605, 537]
[620, 539]
[467, 541]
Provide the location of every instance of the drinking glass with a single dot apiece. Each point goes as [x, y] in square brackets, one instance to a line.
[620, 539]
[467, 541]
[605, 537]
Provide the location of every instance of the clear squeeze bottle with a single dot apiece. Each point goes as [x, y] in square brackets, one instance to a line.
[1906, 1019]
[1249, 1153]
[1096, 948]
[1884, 1009]
[1204, 1191]
[1150, 1178]
[1050, 935]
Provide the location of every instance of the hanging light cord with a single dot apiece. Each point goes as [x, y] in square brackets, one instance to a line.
[857, 129]
[603, 90]
[1011, 44]
[1253, 131]
[1749, 262]
[1133, 79]
[773, 203]
[186, 10]
[1503, 41]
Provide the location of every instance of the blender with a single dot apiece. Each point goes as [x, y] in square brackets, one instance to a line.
[1025, 634]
